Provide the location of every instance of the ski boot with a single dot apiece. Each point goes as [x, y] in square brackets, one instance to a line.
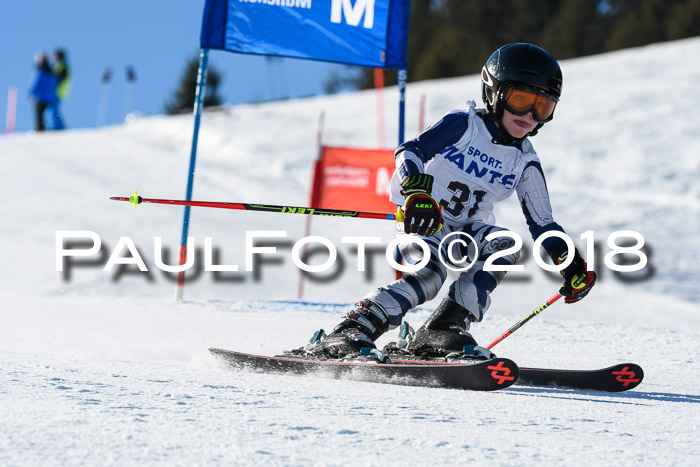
[355, 335]
[445, 334]
[399, 347]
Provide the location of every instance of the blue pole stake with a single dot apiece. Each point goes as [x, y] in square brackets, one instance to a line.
[402, 104]
[198, 100]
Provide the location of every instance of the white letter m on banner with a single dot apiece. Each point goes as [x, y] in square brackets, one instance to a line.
[353, 14]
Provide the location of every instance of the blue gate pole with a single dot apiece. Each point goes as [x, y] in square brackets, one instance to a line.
[198, 100]
[402, 104]
[402, 121]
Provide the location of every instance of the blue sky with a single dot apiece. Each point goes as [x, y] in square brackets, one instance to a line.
[153, 36]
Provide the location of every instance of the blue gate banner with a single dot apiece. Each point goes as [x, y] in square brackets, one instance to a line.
[372, 33]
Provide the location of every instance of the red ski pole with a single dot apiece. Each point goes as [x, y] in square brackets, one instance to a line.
[135, 199]
[520, 323]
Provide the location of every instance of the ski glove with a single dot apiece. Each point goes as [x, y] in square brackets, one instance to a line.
[578, 281]
[422, 214]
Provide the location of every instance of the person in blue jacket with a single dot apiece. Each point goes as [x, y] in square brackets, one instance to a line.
[43, 90]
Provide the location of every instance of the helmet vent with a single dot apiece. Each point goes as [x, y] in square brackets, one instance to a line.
[555, 83]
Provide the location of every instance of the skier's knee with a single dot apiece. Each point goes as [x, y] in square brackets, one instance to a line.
[499, 245]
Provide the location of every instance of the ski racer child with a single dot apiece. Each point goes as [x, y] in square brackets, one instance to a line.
[447, 180]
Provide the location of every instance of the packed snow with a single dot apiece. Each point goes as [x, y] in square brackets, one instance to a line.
[104, 367]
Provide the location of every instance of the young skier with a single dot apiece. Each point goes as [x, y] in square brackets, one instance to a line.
[447, 180]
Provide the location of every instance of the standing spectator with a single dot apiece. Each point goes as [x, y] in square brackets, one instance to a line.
[62, 72]
[43, 89]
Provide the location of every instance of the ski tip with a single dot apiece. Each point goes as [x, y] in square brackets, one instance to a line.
[617, 378]
[503, 372]
[627, 376]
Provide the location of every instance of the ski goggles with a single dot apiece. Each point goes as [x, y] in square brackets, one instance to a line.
[520, 101]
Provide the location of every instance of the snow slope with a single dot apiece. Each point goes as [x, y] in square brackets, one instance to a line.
[104, 367]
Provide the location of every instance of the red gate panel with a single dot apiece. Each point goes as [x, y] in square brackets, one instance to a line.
[353, 179]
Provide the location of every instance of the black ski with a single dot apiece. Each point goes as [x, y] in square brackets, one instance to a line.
[621, 377]
[477, 375]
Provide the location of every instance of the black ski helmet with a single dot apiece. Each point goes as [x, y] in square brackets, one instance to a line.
[522, 64]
